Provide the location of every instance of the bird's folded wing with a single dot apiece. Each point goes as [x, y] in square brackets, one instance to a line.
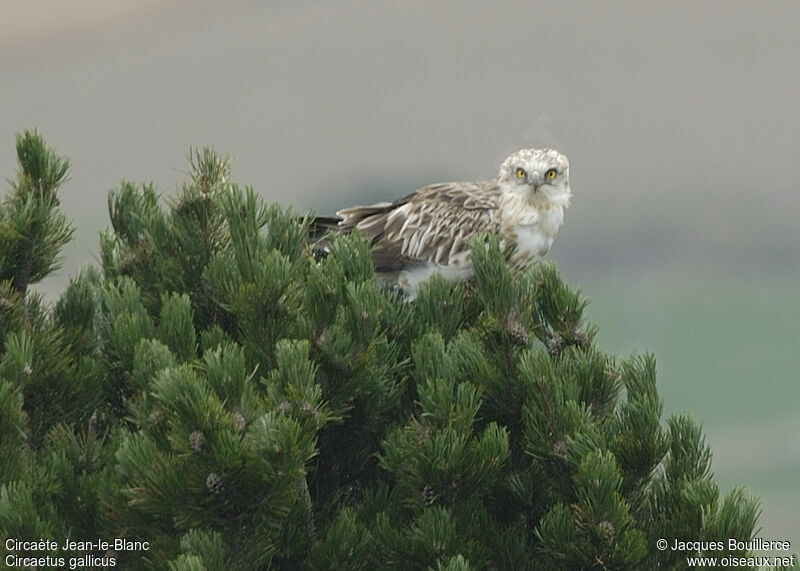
[432, 225]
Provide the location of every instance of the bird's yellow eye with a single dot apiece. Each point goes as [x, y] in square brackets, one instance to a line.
[551, 174]
[521, 174]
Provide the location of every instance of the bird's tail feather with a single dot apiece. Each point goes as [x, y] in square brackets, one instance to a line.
[321, 226]
[320, 232]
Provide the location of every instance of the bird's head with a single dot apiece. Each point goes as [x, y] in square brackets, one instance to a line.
[537, 174]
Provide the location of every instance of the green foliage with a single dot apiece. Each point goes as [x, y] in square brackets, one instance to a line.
[219, 392]
[13, 432]
[32, 228]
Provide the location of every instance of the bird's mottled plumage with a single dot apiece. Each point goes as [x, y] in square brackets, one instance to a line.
[428, 231]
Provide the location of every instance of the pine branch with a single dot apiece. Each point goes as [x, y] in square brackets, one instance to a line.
[311, 526]
[33, 230]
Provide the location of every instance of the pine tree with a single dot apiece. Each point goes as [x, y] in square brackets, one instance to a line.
[220, 392]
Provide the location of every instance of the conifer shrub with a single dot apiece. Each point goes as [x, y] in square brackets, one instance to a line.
[216, 395]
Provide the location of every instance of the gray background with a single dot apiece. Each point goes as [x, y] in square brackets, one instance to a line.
[680, 120]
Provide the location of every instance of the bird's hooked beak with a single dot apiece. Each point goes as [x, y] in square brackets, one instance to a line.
[536, 180]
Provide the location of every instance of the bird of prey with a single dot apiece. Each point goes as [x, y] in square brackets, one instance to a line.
[429, 230]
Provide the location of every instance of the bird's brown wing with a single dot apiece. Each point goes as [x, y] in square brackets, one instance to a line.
[433, 224]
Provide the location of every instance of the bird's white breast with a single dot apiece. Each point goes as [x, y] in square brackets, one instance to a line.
[411, 278]
[532, 240]
[534, 234]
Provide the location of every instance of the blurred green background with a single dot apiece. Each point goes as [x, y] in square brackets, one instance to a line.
[680, 120]
[727, 352]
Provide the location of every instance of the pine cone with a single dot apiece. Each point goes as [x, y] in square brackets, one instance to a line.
[580, 338]
[555, 345]
[196, 440]
[606, 529]
[308, 409]
[156, 417]
[429, 495]
[240, 422]
[214, 483]
[517, 332]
